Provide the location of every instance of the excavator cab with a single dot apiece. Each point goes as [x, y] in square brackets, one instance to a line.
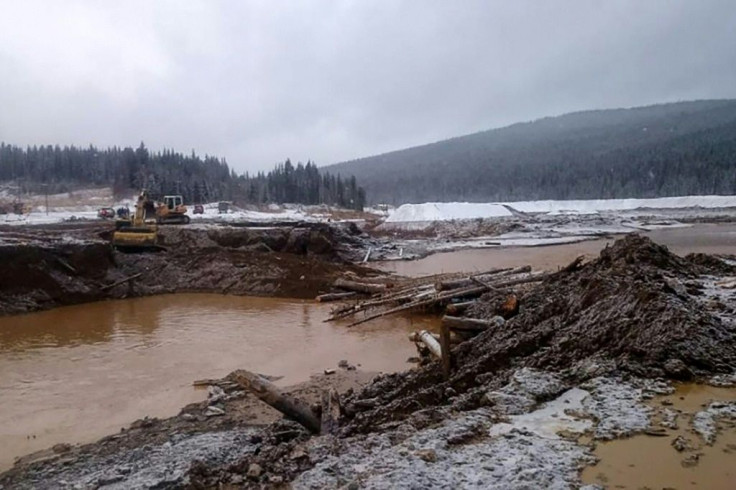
[138, 232]
[172, 211]
[173, 202]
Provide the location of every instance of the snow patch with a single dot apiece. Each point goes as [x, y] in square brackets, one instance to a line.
[164, 465]
[446, 211]
[705, 422]
[617, 406]
[426, 460]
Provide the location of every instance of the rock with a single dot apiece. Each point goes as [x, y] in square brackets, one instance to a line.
[428, 455]
[61, 448]
[109, 479]
[254, 471]
[676, 286]
[213, 412]
[677, 369]
[343, 364]
[656, 432]
[680, 444]
[298, 453]
[329, 371]
[236, 479]
[691, 460]
[413, 359]
[189, 417]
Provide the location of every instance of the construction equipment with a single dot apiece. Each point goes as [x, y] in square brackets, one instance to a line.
[138, 232]
[172, 211]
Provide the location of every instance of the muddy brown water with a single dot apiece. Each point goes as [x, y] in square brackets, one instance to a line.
[645, 461]
[77, 373]
[702, 238]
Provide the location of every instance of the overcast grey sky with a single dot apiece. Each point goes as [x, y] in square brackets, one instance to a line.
[259, 81]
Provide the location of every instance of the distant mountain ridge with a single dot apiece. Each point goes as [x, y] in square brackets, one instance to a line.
[675, 149]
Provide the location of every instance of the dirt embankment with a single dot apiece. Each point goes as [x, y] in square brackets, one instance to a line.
[637, 308]
[56, 266]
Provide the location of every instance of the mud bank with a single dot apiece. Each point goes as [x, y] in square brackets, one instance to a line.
[525, 404]
[60, 265]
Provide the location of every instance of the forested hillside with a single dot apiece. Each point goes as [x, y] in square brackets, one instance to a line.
[662, 150]
[56, 169]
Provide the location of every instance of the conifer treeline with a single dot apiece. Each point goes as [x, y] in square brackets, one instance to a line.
[60, 169]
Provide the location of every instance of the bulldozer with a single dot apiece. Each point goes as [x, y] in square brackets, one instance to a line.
[172, 211]
[139, 231]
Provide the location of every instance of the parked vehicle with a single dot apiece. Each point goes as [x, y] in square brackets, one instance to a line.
[106, 213]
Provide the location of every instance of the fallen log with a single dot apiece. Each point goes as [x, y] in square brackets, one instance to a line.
[324, 298]
[360, 287]
[445, 351]
[485, 277]
[122, 281]
[431, 343]
[291, 407]
[455, 337]
[472, 324]
[470, 292]
[330, 412]
[457, 308]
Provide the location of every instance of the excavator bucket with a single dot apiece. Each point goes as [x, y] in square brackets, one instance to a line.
[135, 239]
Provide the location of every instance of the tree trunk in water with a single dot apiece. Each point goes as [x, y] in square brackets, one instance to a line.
[431, 343]
[291, 407]
[324, 298]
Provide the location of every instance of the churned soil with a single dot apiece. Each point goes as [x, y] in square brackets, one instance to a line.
[45, 267]
[637, 309]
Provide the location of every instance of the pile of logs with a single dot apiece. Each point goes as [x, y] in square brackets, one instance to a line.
[452, 291]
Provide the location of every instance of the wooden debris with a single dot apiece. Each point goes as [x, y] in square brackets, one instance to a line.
[122, 281]
[400, 296]
[445, 351]
[431, 343]
[472, 324]
[458, 308]
[360, 287]
[455, 337]
[510, 307]
[324, 298]
[66, 265]
[483, 277]
[291, 407]
[330, 412]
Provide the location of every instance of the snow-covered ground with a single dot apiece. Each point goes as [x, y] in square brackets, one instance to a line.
[444, 211]
[84, 204]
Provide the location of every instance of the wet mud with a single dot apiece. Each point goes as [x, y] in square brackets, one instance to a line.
[603, 335]
[673, 456]
[46, 267]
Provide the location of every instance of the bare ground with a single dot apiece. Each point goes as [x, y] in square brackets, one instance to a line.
[50, 266]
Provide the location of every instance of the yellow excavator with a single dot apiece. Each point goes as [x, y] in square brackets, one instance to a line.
[138, 232]
[172, 211]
